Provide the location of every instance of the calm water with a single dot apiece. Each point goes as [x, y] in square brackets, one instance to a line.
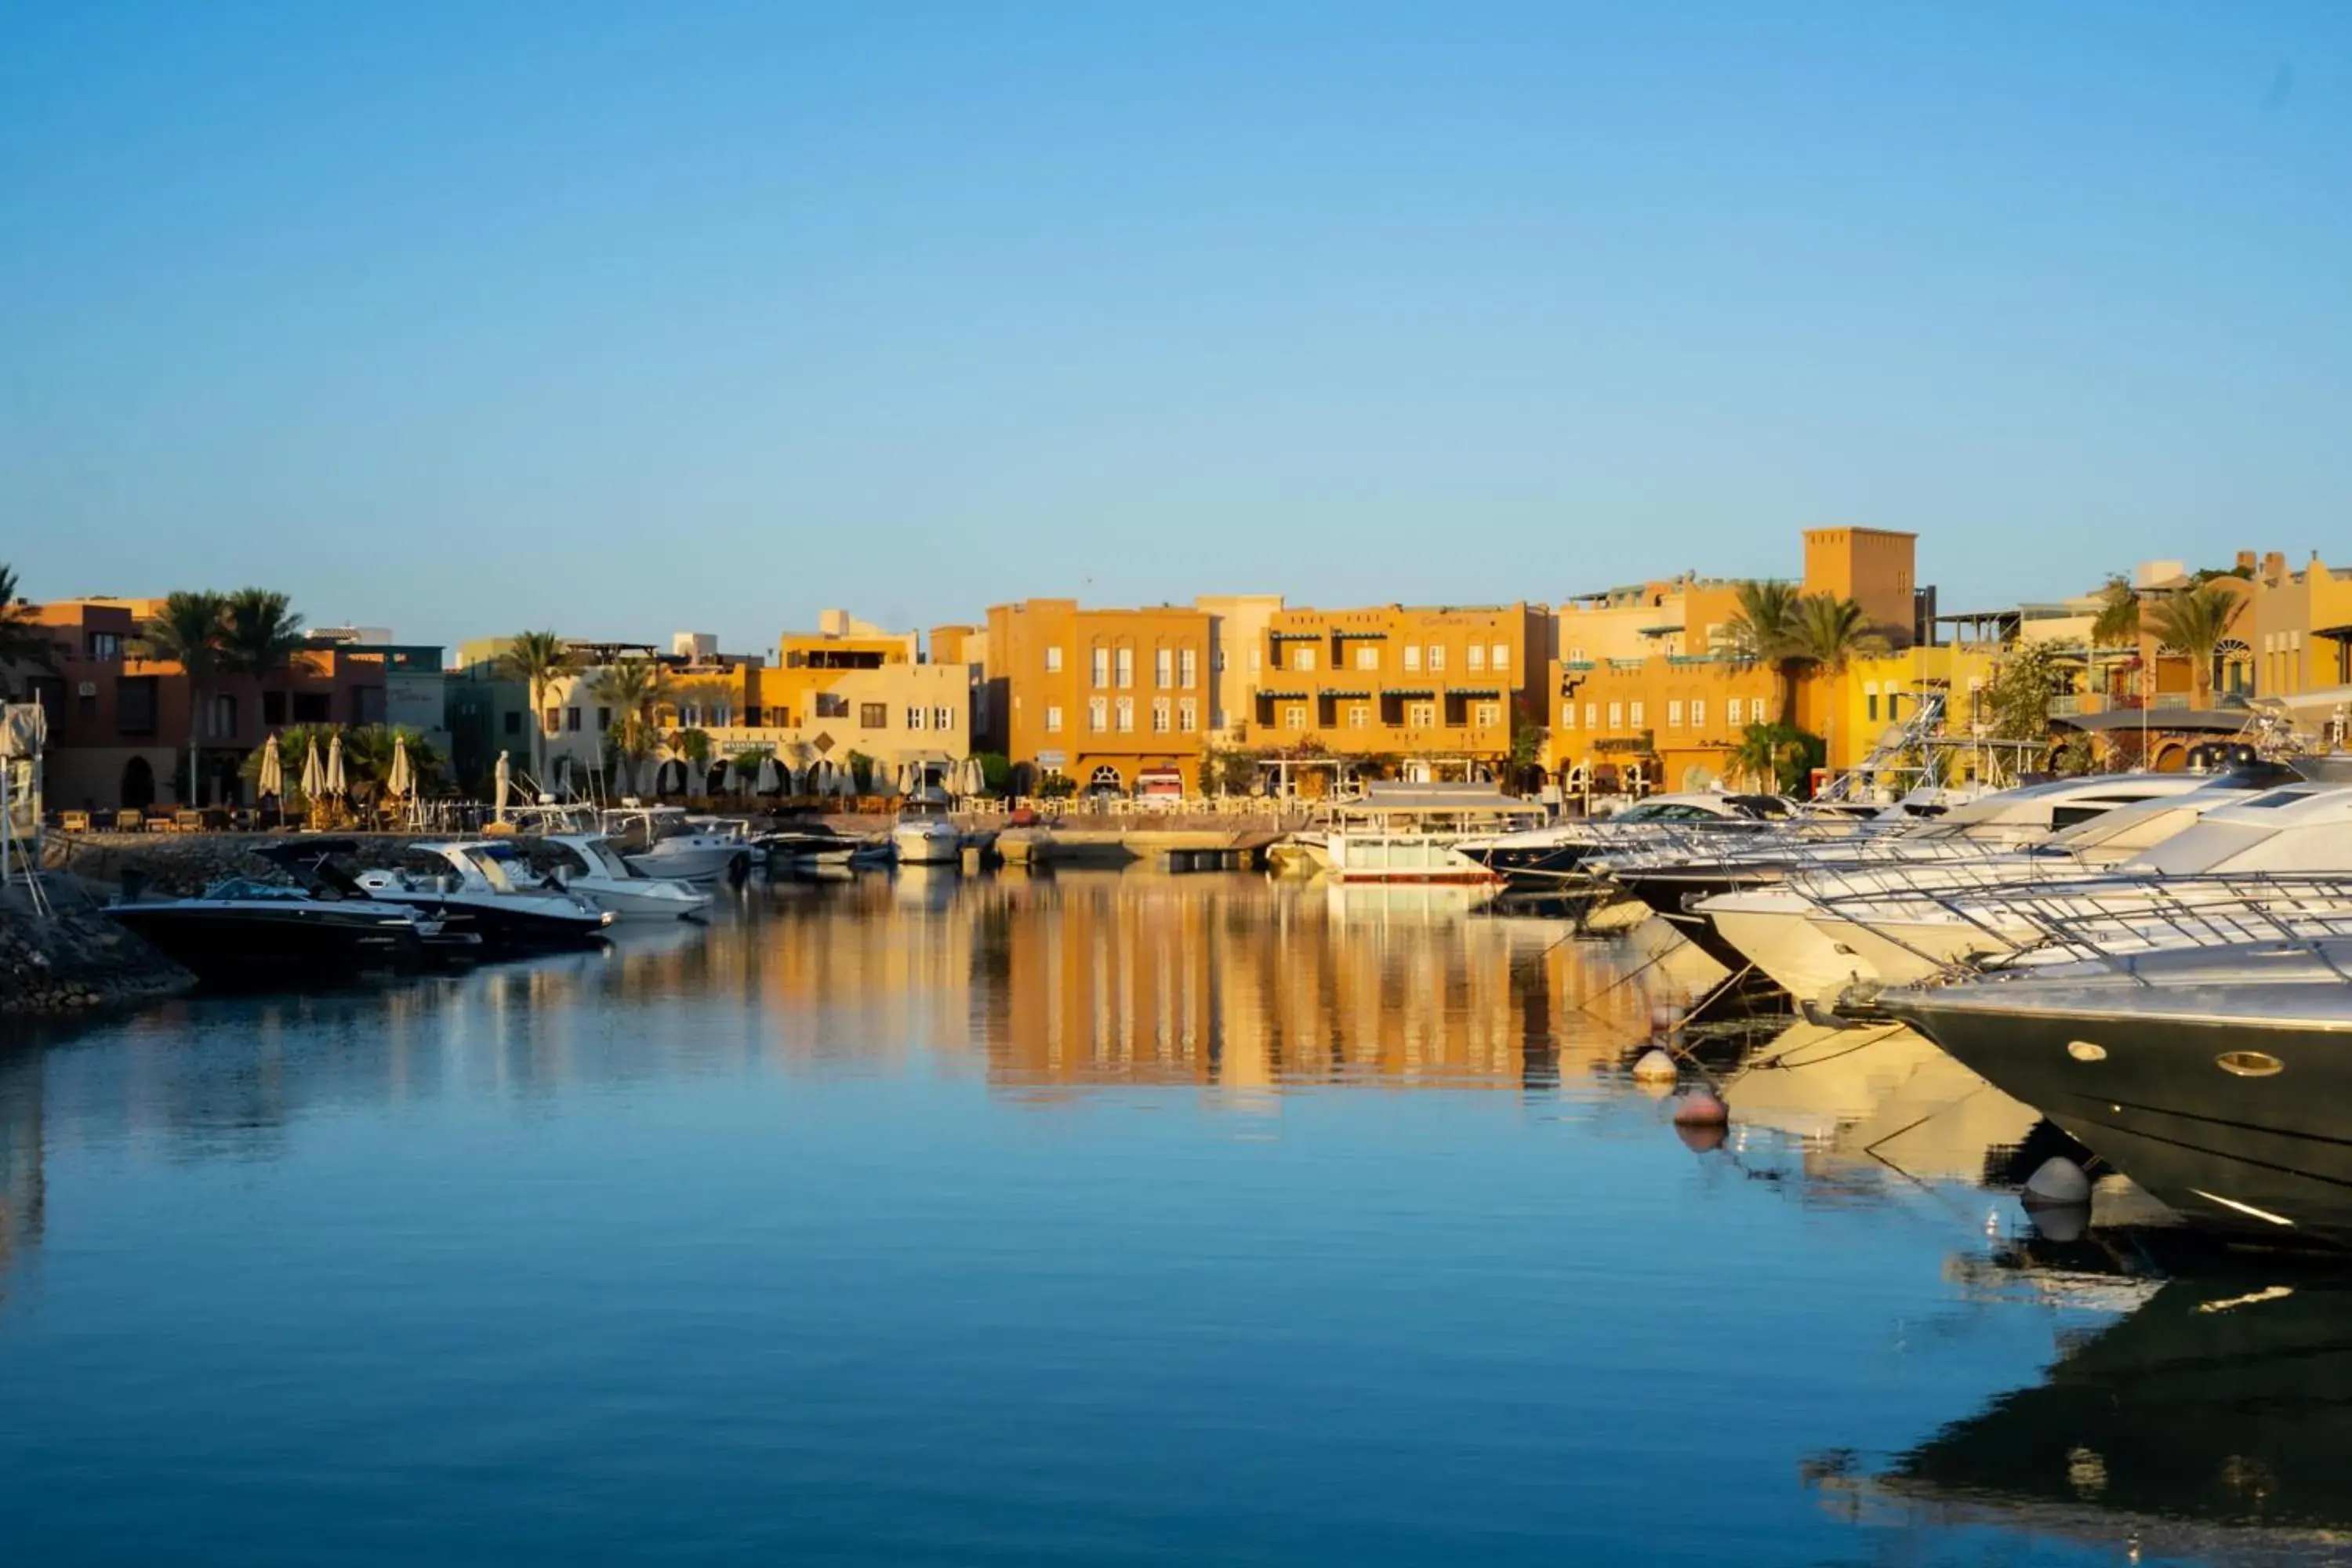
[1097, 1219]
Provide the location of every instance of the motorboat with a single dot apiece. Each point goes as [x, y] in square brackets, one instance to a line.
[2215, 1076]
[1559, 849]
[592, 868]
[1879, 917]
[925, 835]
[1415, 832]
[670, 845]
[1677, 881]
[241, 930]
[485, 886]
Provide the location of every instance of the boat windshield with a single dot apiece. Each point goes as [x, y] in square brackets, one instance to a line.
[245, 890]
[493, 871]
[600, 855]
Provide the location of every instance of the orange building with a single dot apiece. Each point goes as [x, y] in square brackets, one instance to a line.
[1438, 690]
[1112, 699]
[120, 725]
[1646, 691]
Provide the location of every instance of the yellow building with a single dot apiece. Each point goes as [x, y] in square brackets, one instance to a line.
[2298, 627]
[1108, 699]
[1438, 690]
[1645, 692]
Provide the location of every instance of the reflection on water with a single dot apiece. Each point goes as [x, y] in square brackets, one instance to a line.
[752, 1243]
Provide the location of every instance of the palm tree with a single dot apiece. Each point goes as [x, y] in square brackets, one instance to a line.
[192, 632]
[1761, 628]
[1825, 634]
[263, 634]
[630, 688]
[23, 640]
[2195, 620]
[538, 660]
[2117, 622]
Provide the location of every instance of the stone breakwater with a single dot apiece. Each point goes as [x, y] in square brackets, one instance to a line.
[75, 959]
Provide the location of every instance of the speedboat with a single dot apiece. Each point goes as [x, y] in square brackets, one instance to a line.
[924, 833]
[1559, 849]
[485, 886]
[682, 848]
[595, 870]
[241, 930]
[1687, 887]
[1879, 917]
[2214, 1077]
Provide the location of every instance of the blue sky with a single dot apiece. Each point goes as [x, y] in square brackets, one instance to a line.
[629, 319]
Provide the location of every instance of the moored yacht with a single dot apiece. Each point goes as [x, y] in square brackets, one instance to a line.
[1415, 833]
[240, 930]
[1559, 849]
[2214, 1077]
[664, 842]
[478, 890]
[925, 835]
[592, 869]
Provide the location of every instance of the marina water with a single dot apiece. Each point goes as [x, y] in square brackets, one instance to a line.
[1091, 1218]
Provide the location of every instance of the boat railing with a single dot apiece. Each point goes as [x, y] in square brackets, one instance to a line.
[2113, 919]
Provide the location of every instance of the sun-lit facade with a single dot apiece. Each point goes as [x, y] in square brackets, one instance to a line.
[1110, 700]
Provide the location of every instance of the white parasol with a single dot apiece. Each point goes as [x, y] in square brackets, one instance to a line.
[403, 781]
[314, 777]
[272, 782]
[335, 764]
[769, 781]
[501, 781]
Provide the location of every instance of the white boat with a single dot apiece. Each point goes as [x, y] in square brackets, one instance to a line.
[1415, 833]
[683, 849]
[924, 833]
[487, 887]
[595, 870]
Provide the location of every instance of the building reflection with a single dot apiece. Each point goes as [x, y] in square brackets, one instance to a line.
[23, 1192]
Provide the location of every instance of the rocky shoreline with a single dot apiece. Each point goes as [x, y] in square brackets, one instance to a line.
[75, 960]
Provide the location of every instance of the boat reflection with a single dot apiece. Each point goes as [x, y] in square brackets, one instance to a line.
[2213, 1421]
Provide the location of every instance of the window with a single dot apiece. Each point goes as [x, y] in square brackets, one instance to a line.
[1487, 715]
[830, 705]
[220, 718]
[603, 720]
[1591, 715]
[873, 715]
[1420, 715]
[1127, 715]
[1102, 666]
[106, 645]
[1576, 656]
[273, 708]
[1732, 713]
[1477, 665]
[943, 719]
[1698, 712]
[1436, 657]
[86, 702]
[721, 715]
[1411, 658]
[1163, 669]
[1368, 656]
[1360, 716]
[513, 725]
[1160, 706]
[572, 721]
[1053, 659]
[1188, 715]
[1293, 716]
[1053, 719]
[1126, 668]
[1303, 656]
[1616, 715]
[1499, 658]
[1188, 662]
[1675, 715]
[1870, 704]
[1097, 714]
[1568, 715]
[914, 717]
[1256, 659]
[1634, 713]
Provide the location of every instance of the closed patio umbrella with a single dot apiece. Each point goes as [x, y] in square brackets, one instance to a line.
[335, 764]
[403, 781]
[844, 783]
[728, 782]
[272, 783]
[314, 777]
[501, 781]
[769, 781]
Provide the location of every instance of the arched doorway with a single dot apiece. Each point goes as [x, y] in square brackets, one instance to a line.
[138, 784]
[1106, 779]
